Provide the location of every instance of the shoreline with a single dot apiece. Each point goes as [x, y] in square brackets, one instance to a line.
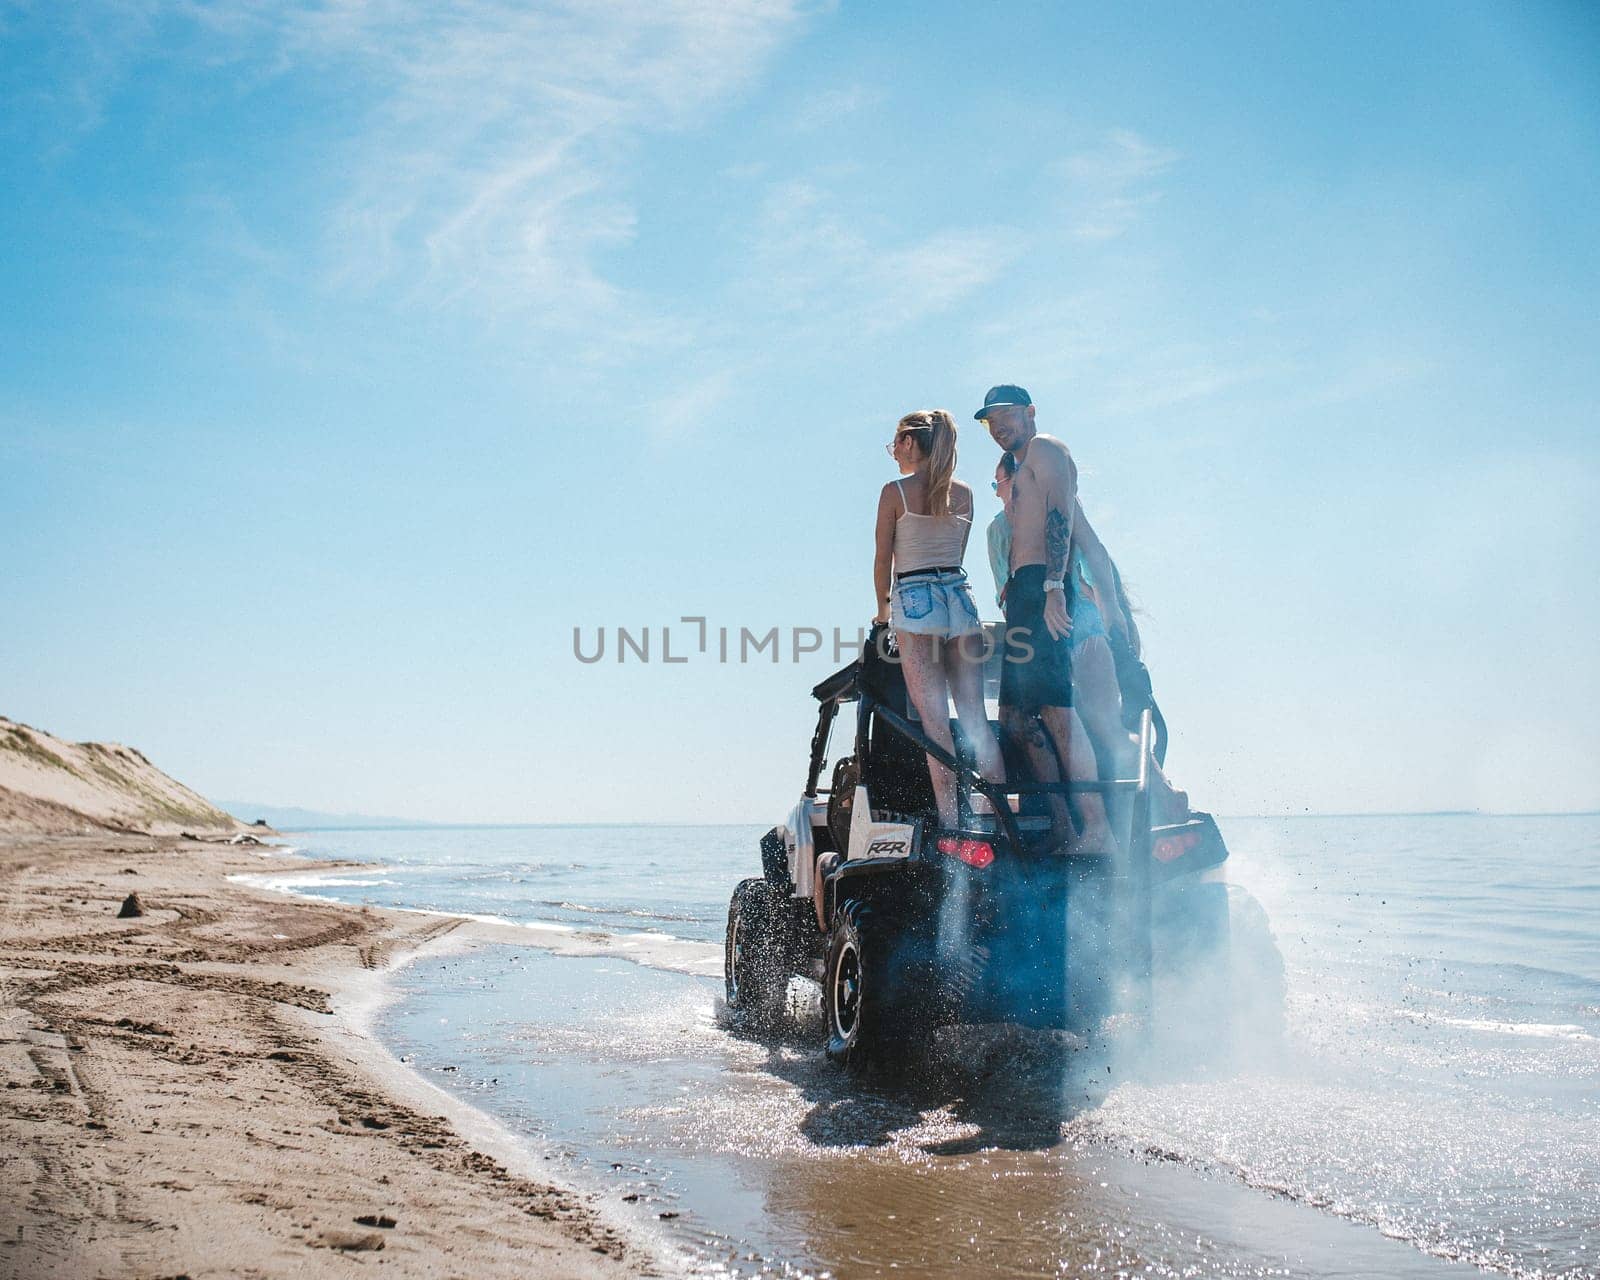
[199, 1085]
[655, 950]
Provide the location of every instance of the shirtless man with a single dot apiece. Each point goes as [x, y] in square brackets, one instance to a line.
[1104, 651]
[1036, 677]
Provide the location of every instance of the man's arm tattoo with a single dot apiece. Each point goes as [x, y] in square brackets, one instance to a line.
[1058, 542]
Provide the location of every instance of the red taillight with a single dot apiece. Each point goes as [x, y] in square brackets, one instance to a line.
[1169, 848]
[975, 853]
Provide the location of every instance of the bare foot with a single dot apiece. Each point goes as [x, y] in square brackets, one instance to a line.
[1172, 805]
[1091, 840]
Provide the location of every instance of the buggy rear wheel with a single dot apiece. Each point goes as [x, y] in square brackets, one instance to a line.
[758, 953]
[864, 999]
[884, 986]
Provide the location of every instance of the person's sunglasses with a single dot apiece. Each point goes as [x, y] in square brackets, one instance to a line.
[890, 448]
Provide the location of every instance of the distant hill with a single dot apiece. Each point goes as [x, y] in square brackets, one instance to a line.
[69, 788]
[291, 818]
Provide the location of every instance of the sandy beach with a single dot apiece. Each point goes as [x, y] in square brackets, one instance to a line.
[494, 1051]
[189, 1091]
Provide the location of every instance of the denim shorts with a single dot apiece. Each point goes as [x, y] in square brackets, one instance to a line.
[935, 604]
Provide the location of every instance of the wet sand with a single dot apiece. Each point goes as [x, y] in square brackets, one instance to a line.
[766, 1159]
[191, 1092]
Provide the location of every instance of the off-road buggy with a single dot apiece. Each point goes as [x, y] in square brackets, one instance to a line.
[921, 928]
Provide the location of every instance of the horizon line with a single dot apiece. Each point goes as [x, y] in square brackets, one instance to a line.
[408, 824]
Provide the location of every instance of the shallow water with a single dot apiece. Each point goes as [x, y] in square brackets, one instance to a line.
[1438, 1096]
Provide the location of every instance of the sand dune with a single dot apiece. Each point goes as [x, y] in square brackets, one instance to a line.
[74, 788]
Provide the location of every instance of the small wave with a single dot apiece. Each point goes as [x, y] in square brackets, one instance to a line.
[653, 950]
[1540, 1030]
[634, 912]
[286, 882]
[1496, 975]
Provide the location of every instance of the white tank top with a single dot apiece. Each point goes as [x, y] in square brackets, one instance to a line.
[928, 542]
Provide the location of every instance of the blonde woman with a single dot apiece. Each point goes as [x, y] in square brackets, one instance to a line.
[924, 519]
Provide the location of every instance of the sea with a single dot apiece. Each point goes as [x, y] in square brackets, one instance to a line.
[1432, 1104]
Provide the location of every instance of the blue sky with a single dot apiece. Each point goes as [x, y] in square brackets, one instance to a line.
[352, 354]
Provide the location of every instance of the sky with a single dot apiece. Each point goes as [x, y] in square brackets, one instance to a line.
[356, 354]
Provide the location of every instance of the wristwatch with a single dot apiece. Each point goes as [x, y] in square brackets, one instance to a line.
[1055, 584]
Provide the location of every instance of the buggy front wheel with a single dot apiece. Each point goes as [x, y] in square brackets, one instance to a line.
[757, 954]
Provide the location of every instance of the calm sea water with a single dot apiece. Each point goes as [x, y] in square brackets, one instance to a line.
[1439, 1099]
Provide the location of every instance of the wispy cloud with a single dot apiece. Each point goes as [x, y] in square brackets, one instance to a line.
[494, 162]
[833, 105]
[1094, 347]
[814, 251]
[1071, 336]
[940, 270]
[484, 148]
[813, 257]
[677, 413]
[799, 225]
[1167, 378]
[1109, 185]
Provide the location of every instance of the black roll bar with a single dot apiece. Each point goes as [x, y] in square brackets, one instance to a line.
[819, 745]
[997, 793]
[971, 777]
[1136, 878]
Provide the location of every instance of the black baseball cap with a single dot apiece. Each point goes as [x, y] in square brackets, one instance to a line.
[1001, 396]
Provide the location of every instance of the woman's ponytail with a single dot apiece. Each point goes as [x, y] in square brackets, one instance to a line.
[936, 431]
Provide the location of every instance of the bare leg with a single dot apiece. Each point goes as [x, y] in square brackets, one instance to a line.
[1171, 803]
[1098, 698]
[1023, 728]
[819, 888]
[922, 660]
[1072, 744]
[964, 664]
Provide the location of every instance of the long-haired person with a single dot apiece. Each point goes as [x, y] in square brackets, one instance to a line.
[924, 519]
